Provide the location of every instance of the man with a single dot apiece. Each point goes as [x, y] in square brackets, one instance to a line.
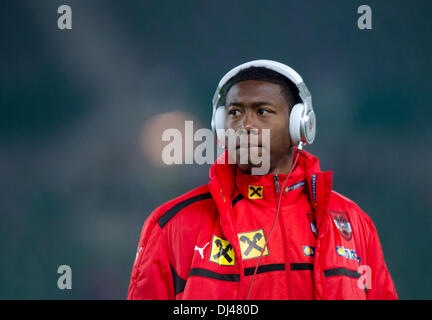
[280, 235]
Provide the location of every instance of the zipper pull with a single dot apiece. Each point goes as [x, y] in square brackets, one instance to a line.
[276, 179]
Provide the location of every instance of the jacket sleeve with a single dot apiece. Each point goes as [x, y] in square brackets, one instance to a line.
[151, 277]
[381, 286]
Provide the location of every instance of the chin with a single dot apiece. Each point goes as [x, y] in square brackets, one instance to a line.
[247, 168]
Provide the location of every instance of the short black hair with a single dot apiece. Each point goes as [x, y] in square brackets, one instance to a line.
[288, 88]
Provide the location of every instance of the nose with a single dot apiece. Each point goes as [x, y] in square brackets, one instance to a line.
[248, 123]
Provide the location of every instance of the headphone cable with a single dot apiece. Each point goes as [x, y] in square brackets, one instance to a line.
[299, 149]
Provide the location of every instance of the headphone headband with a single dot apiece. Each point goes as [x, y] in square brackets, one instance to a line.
[278, 67]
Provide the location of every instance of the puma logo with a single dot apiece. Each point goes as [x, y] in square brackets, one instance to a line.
[201, 250]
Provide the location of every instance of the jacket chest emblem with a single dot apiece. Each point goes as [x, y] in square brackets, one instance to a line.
[309, 251]
[252, 244]
[201, 250]
[343, 224]
[349, 254]
[255, 192]
[222, 252]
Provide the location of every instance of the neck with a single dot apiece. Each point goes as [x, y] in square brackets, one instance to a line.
[284, 164]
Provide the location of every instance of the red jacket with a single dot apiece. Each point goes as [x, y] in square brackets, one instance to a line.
[205, 244]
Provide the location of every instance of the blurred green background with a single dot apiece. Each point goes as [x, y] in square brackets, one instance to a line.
[79, 158]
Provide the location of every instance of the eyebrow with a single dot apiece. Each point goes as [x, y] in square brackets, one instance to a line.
[253, 104]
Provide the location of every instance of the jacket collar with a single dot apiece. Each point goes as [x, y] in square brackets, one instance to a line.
[222, 178]
[264, 190]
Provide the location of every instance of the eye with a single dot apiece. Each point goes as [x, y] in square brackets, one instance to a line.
[234, 112]
[262, 111]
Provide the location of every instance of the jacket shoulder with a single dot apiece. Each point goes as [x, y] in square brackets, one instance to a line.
[341, 203]
[163, 214]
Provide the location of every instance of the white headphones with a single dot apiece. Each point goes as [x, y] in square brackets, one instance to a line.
[302, 117]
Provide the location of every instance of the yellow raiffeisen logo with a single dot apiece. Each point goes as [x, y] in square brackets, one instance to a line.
[222, 252]
[255, 192]
[252, 243]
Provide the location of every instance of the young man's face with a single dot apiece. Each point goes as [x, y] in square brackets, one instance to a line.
[254, 105]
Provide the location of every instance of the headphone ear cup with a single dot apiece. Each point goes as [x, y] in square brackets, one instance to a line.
[309, 127]
[219, 121]
[295, 123]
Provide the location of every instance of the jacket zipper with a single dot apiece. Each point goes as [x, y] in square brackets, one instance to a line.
[276, 180]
